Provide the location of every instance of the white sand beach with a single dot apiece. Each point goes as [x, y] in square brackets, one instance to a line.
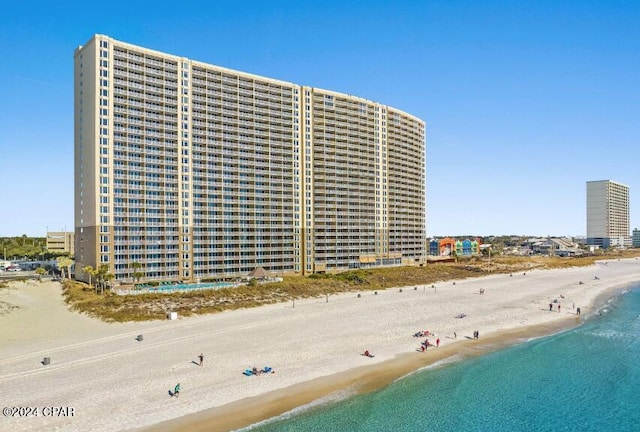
[115, 382]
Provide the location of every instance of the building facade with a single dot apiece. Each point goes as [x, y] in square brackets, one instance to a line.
[197, 171]
[635, 238]
[451, 247]
[608, 214]
[60, 242]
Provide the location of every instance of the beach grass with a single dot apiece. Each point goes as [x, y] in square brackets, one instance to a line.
[110, 307]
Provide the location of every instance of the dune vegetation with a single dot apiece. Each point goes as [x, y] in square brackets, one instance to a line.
[120, 308]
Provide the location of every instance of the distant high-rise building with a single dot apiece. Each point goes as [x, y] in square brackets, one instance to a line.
[198, 171]
[635, 238]
[608, 214]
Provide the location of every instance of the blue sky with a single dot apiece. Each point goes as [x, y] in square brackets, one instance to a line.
[524, 101]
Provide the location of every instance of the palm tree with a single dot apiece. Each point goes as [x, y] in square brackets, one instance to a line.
[63, 262]
[137, 274]
[90, 271]
[103, 276]
[109, 277]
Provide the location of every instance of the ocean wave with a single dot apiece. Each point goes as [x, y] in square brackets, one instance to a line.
[445, 361]
[610, 334]
[331, 398]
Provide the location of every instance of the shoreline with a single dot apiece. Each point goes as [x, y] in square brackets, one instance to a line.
[267, 407]
[314, 348]
[363, 380]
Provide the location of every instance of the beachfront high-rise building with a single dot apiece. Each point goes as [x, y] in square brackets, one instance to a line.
[608, 214]
[196, 171]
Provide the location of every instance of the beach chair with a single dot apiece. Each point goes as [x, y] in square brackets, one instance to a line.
[266, 369]
[248, 372]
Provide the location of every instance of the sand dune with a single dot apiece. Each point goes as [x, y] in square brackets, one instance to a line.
[114, 382]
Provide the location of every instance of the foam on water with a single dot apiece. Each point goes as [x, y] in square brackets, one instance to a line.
[440, 363]
[329, 399]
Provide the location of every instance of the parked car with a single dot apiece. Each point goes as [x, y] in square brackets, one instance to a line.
[13, 269]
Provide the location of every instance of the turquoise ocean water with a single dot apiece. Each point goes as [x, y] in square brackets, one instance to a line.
[584, 379]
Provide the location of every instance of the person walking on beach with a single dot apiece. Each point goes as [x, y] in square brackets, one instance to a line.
[176, 390]
[578, 311]
[558, 308]
[550, 307]
[438, 343]
[201, 357]
[455, 336]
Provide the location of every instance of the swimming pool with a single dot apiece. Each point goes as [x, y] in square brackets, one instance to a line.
[168, 288]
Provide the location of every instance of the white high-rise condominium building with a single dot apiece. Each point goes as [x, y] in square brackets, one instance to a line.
[608, 214]
[197, 171]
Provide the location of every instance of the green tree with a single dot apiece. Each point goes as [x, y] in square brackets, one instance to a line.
[40, 271]
[108, 278]
[90, 271]
[65, 262]
[103, 276]
[23, 246]
[137, 274]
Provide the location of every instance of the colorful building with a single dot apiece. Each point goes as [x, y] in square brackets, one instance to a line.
[449, 246]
